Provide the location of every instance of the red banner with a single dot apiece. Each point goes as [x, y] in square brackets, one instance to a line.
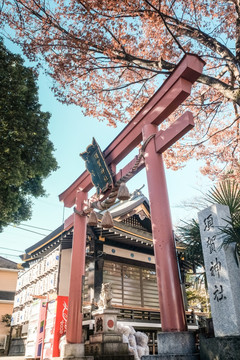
[60, 323]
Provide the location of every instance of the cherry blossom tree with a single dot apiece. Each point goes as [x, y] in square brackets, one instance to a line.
[110, 56]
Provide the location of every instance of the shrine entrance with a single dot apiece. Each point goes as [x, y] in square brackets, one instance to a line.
[143, 127]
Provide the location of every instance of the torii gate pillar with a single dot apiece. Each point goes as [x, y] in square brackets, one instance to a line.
[74, 327]
[172, 308]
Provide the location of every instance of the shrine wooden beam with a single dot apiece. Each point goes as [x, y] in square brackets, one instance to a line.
[170, 95]
[178, 129]
[128, 167]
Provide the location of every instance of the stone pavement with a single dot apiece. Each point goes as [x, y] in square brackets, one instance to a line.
[12, 357]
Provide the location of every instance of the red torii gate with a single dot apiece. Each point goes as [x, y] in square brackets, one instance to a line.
[170, 95]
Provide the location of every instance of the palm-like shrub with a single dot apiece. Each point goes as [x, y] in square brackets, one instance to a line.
[225, 193]
[189, 233]
[228, 193]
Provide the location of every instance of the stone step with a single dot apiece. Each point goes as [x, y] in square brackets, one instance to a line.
[12, 357]
[222, 348]
[76, 358]
[109, 349]
[171, 357]
[114, 357]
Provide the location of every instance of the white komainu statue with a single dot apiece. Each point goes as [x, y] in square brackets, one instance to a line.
[105, 301]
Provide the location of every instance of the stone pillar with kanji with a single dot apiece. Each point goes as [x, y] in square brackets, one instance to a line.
[223, 274]
[222, 270]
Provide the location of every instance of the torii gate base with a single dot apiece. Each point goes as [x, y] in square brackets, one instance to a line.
[74, 352]
[143, 126]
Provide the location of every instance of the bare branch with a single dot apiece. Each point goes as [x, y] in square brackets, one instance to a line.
[166, 25]
[227, 90]
[182, 28]
[218, 132]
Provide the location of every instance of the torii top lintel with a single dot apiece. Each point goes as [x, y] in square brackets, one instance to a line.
[175, 89]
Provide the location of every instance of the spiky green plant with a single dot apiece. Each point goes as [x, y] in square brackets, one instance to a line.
[190, 234]
[228, 193]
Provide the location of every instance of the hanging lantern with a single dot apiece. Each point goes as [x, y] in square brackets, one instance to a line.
[92, 220]
[107, 221]
[123, 193]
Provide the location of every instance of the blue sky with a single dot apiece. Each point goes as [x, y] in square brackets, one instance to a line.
[71, 133]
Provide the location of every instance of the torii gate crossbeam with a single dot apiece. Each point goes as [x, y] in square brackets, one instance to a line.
[170, 95]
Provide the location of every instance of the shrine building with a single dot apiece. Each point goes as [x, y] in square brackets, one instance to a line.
[122, 256]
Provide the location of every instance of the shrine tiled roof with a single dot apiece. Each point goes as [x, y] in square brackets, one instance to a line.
[125, 207]
[7, 264]
[134, 212]
[45, 240]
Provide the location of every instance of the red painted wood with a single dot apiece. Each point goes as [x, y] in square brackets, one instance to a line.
[69, 221]
[164, 139]
[169, 290]
[128, 167]
[173, 91]
[131, 136]
[189, 68]
[74, 322]
[83, 182]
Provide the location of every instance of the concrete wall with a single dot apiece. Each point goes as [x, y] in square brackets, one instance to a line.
[8, 282]
[8, 279]
[5, 308]
[64, 273]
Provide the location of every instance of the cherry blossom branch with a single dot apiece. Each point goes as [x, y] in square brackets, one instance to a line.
[166, 25]
[217, 132]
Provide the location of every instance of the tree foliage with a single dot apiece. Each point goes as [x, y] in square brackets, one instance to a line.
[26, 156]
[109, 57]
[6, 318]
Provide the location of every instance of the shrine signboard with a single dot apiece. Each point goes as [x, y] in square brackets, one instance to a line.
[222, 271]
[97, 167]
